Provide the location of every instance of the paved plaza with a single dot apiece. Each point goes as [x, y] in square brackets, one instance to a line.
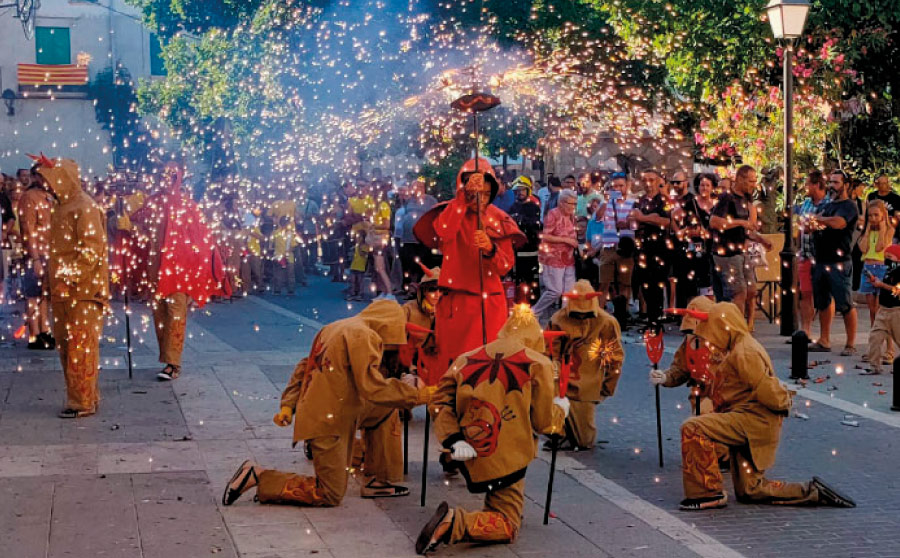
[144, 477]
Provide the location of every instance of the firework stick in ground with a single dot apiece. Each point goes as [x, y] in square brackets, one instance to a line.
[653, 341]
[555, 439]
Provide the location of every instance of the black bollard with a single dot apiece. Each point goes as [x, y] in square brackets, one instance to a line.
[799, 355]
[895, 405]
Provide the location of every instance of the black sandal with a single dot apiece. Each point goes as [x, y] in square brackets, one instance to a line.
[382, 490]
[426, 542]
[238, 483]
[707, 503]
[169, 373]
[74, 413]
[830, 496]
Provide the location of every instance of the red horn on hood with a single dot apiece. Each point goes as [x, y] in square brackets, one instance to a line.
[42, 160]
[428, 273]
[416, 330]
[702, 316]
[589, 296]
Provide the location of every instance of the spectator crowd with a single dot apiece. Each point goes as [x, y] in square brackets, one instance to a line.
[646, 241]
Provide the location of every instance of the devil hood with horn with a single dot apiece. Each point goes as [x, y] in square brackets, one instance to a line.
[79, 259]
[496, 398]
[593, 342]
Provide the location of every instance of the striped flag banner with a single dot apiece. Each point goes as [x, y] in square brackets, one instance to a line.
[52, 74]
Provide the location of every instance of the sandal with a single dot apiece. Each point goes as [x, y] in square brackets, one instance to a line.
[169, 373]
[707, 503]
[240, 482]
[74, 413]
[818, 348]
[381, 489]
[849, 351]
[436, 531]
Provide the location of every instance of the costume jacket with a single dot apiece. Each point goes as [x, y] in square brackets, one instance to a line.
[329, 388]
[595, 346]
[496, 398]
[79, 262]
[745, 387]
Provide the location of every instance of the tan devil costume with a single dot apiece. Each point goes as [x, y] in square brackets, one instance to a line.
[79, 283]
[750, 405]
[496, 398]
[593, 342]
[328, 392]
[678, 373]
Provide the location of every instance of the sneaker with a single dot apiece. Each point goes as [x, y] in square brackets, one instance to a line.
[829, 496]
[708, 503]
[243, 480]
[169, 373]
[436, 531]
[36, 345]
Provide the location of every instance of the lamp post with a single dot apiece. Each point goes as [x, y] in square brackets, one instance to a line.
[9, 99]
[788, 18]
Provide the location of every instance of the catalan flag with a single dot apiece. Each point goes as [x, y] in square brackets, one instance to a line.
[52, 74]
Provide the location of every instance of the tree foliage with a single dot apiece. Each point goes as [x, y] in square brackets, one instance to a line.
[116, 110]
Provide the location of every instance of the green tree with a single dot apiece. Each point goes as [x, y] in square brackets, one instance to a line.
[116, 110]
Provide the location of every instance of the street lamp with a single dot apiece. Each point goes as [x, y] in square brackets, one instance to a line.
[9, 99]
[788, 18]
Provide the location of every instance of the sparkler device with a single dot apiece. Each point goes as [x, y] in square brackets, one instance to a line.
[476, 103]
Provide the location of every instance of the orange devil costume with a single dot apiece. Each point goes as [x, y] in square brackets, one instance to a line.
[593, 341]
[79, 283]
[185, 264]
[329, 392]
[750, 405]
[487, 409]
[451, 228]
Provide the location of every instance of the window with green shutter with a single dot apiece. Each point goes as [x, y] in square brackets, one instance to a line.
[157, 64]
[53, 46]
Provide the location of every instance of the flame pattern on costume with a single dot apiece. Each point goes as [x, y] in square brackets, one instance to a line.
[699, 460]
[490, 527]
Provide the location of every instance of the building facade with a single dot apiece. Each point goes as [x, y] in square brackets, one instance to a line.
[74, 41]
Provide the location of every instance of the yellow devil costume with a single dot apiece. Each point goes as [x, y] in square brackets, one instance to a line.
[593, 343]
[750, 405]
[488, 407]
[79, 284]
[328, 392]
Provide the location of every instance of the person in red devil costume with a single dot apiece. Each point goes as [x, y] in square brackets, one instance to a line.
[467, 250]
[184, 263]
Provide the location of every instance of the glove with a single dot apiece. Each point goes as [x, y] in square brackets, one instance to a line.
[562, 403]
[657, 377]
[462, 451]
[410, 380]
[283, 417]
[426, 395]
[483, 242]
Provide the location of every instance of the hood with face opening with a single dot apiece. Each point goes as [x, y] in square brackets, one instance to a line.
[723, 328]
[484, 167]
[523, 327]
[63, 178]
[429, 280]
[387, 319]
[582, 299]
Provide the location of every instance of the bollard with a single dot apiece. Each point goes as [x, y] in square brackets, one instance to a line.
[799, 355]
[895, 405]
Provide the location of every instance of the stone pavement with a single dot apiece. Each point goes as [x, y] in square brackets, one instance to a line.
[144, 477]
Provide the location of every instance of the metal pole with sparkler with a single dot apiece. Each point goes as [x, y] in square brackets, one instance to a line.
[476, 103]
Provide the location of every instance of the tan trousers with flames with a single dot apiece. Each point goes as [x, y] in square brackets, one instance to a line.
[331, 459]
[170, 316]
[77, 326]
[498, 522]
[700, 468]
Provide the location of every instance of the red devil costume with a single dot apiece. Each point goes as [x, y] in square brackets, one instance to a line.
[452, 227]
[487, 409]
[184, 264]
